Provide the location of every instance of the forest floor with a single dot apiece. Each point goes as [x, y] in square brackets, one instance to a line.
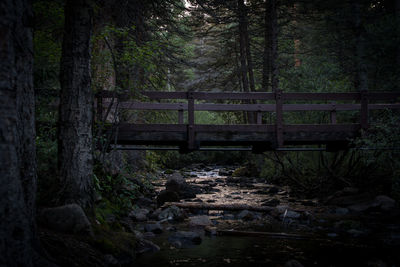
[243, 221]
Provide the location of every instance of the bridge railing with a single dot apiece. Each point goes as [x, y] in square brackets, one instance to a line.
[367, 101]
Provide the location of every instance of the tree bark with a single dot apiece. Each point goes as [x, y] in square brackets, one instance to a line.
[243, 54]
[17, 135]
[274, 46]
[267, 48]
[76, 106]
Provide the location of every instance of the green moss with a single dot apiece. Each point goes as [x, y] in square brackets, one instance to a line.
[168, 171]
[113, 242]
[240, 172]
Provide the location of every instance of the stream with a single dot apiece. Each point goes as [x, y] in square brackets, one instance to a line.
[301, 232]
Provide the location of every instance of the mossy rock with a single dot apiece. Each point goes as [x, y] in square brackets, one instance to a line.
[240, 172]
[112, 242]
[169, 171]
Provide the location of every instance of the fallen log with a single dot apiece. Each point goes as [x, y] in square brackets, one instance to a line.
[230, 207]
[261, 234]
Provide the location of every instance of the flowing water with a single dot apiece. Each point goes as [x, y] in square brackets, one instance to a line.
[320, 244]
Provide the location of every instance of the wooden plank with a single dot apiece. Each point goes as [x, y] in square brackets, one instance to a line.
[233, 96]
[235, 128]
[393, 96]
[321, 127]
[250, 107]
[321, 96]
[152, 127]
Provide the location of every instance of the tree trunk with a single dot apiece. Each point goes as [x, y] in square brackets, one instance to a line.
[243, 53]
[76, 106]
[361, 78]
[17, 135]
[397, 17]
[274, 46]
[267, 48]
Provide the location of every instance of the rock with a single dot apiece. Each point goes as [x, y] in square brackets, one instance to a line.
[68, 219]
[290, 215]
[355, 232]
[144, 246]
[148, 235]
[210, 230]
[385, 203]
[380, 203]
[273, 190]
[167, 196]
[171, 213]
[341, 211]
[332, 235]
[144, 202]
[139, 215]
[224, 173]
[109, 260]
[220, 181]
[127, 224]
[153, 227]
[228, 217]
[201, 220]
[176, 183]
[293, 263]
[245, 215]
[185, 239]
[344, 201]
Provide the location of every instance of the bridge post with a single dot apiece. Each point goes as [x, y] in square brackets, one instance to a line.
[180, 114]
[279, 117]
[190, 129]
[333, 113]
[364, 110]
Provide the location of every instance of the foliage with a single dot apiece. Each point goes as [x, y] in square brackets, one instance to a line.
[118, 190]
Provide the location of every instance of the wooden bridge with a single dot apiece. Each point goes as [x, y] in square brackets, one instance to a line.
[189, 136]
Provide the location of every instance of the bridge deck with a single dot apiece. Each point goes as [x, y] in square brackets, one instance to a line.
[261, 137]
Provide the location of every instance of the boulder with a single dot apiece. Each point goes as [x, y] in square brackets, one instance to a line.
[177, 184]
[144, 202]
[380, 203]
[200, 221]
[167, 196]
[293, 263]
[289, 214]
[245, 215]
[68, 219]
[171, 213]
[153, 227]
[273, 190]
[139, 215]
[184, 239]
[144, 246]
